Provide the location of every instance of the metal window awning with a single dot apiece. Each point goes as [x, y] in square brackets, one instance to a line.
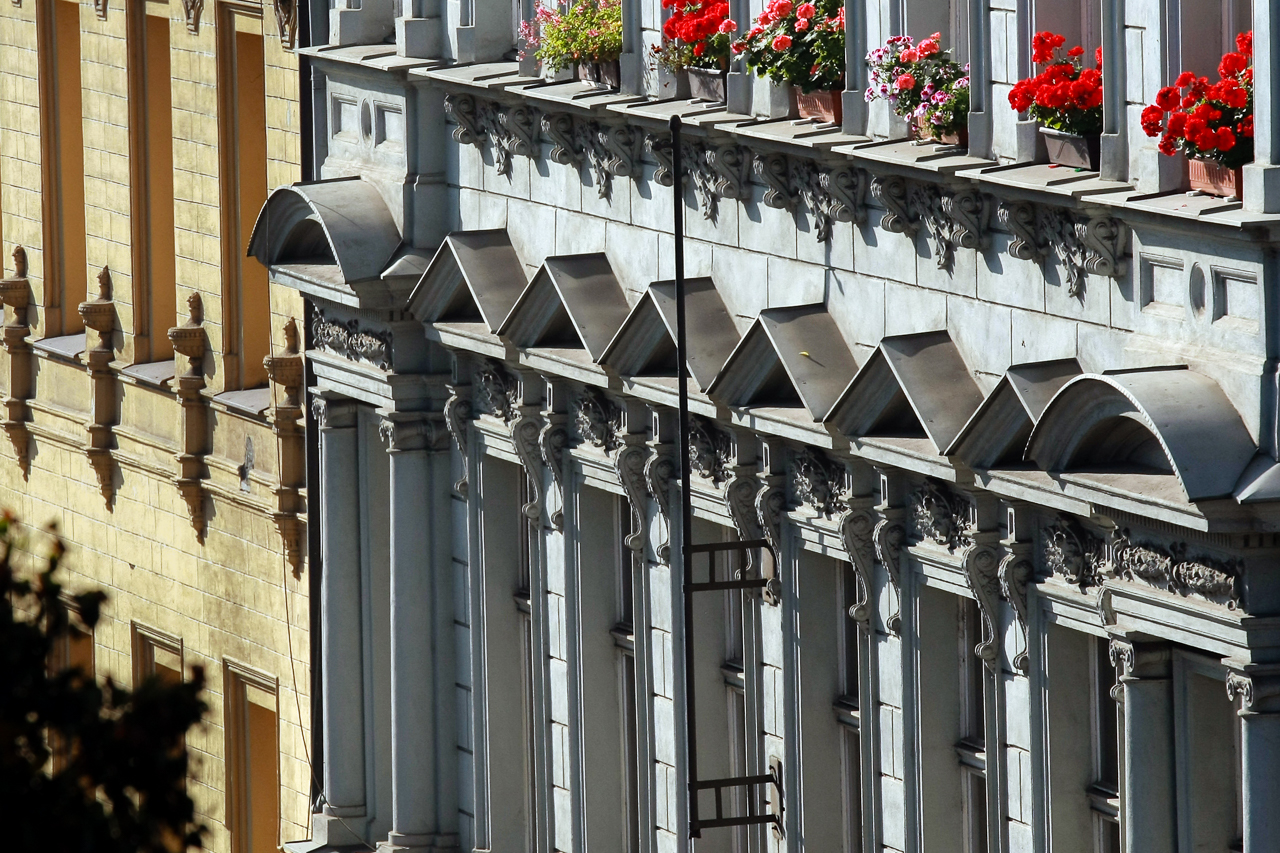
[475, 276]
[573, 302]
[997, 432]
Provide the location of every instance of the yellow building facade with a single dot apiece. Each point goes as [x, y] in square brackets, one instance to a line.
[150, 378]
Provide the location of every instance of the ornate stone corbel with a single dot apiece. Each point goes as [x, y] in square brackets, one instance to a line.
[511, 131]
[832, 195]
[818, 482]
[613, 150]
[553, 438]
[462, 109]
[630, 463]
[660, 470]
[286, 372]
[287, 22]
[969, 212]
[981, 566]
[740, 500]
[15, 294]
[774, 170]
[457, 415]
[891, 192]
[954, 219]
[1258, 689]
[857, 531]
[1083, 247]
[192, 9]
[559, 128]
[99, 315]
[659, 145]
[1015, 575]
[1073, 553]
[525, 433]
[189, 341]
[889, 537]
[1019, 218]
[718, 171]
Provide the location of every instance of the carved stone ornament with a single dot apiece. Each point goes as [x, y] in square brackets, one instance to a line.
[1168, 568]
[525, 432]
[718, 171]
[774, 172]
[100, 8]
[351, 341]
[612, 150]
[943, 518]
[630, 464]
[659, 471]
[413, 431]
[659, 146]
[559, 128]
[889, 537]
[597, 420]
[1088, 246]
[953, 219]
[771, 511]
[832, 195]
[286, 22]
[891, 192]
[1257, 689]
[1019, 218]
[457, 414]
[511, 130]
[462, 109]
[1073, 553]
[818, 482]
[552, 440]
[1015, 574]
[981, 567]
[857, 531]
[192, 10]
[496, 392]
[710, 451]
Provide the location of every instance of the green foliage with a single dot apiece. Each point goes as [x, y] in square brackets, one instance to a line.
[120, 782]
[588, 31]
[800, 44]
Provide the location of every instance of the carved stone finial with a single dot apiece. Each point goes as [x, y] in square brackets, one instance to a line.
[195, 309]
[286, 369]
[192, 10]
[19, 262]
[291, 337]
[104, 284]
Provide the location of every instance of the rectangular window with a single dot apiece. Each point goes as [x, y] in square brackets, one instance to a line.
[66, 131]
[154, 173]
[630, 728]
[972, 746]
[528, 659]
[849, 654]
[242, 123]
[253, 760]
[73, 650]
[157, 654]
[626, 604]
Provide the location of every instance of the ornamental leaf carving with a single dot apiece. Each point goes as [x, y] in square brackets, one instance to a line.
[349, 340]
[597, 420]
[525, 432]
[710, 451]
[630, 465]
[818, 482]
[496, 392]
[953, 219]
[775, 172]
[659, 145]
[1073, 553]
[286, 22]
[611, 150]
[1170, 569]
[1092, 245]
[941, 517]
[832, 195]
[981, 568]
[191, 10]
[462, 109]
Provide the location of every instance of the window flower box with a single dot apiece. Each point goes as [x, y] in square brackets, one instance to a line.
[922, 85]
[1073, 149]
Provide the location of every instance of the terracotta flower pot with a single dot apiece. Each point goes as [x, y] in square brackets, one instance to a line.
[824, 105]
[1216, 179]
[707, 84]
[922, 128]
[1070, 149]
[602, 75]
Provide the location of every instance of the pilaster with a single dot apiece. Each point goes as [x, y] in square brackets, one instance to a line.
[1258, 692]
[1147, 774]
[15, 294]
[190, 341]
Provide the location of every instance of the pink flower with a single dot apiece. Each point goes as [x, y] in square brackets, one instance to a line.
[910, 55]
[802, 25]
[905, 82]
[728, 27]
[782, 42]
[806, 10]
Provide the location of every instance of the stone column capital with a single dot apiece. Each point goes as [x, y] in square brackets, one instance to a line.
[1141, 660]
[407, 431]
[333, 411]
[1257, 688]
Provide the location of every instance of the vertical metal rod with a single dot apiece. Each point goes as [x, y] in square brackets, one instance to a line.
[686, 505]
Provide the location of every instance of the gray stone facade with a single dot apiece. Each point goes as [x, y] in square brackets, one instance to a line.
[1009, 430]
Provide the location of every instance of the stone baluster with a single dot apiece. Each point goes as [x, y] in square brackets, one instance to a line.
[189, 341]
[341, 651]
[15, 293]
[1147, 777]
[99, 316]
[1258, 691]
[285, 371]
[423, 740]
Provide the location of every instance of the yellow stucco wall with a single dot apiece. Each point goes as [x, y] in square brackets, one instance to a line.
[233, 597]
